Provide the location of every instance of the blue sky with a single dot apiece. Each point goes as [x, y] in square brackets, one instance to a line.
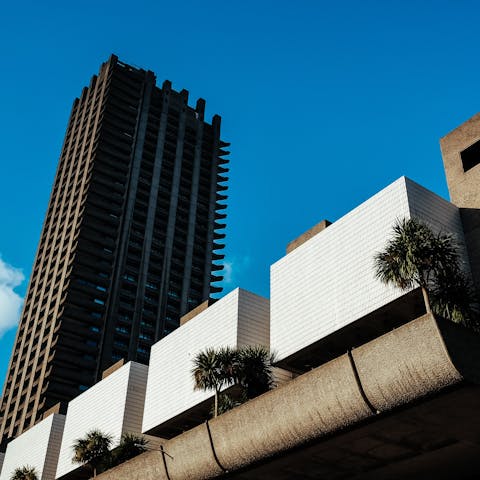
[324, 102]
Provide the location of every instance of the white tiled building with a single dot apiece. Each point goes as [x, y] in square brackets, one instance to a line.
[240, 318]
[114, 406]
[321, 286]
[38, 447]
[329, 281]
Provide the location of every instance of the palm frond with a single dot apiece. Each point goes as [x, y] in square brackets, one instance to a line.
[25, 473]
[93, 449]
[256, 370]
[129, 447]
[416, 256]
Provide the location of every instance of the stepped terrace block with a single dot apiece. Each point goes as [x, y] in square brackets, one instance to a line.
[327, 285]
[37, 447]
[172, 405]
[114, 406]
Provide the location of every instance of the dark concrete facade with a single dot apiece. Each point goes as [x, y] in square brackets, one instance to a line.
[129, 242]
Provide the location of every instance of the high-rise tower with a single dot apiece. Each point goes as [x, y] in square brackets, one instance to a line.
[129, 240]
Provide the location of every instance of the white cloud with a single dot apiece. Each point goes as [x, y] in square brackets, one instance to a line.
[227, 272]
[10, 301]
[234, 267]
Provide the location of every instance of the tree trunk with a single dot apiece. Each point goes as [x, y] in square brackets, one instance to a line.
[426, 299]
[215, 412]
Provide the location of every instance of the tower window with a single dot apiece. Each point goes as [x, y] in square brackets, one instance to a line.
[470, 156]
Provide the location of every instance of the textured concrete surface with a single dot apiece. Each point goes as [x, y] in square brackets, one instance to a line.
[187, 463]
[415, 363]
[147, 465]
[321, 424]
[463, 186]
[312, 405]
[436, 438]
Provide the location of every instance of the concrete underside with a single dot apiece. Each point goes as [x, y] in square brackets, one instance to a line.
[437, 438]
[422, 377]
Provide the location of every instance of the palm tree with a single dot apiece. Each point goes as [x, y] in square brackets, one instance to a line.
[249, 367]
[255, 373]
[226, 403]
[24, 473]
[416, 256]
[92, 450]
[130, 446]
[453, 297]
[214, 369]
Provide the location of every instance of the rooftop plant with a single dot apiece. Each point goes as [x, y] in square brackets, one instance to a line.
[416, 256]
[24, 473]
[249, 367]
[93, 450]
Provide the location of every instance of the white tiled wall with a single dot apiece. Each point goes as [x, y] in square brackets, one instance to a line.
[114, 406]
[440, 214]
[329, 281]
[38, 447]
[239, 318]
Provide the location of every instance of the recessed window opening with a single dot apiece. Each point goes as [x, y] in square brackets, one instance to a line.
[470, 156]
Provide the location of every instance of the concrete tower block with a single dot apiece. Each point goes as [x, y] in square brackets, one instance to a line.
[114, 406]
[461, 157]
[172, 405]
[38, 447]
[328, 282]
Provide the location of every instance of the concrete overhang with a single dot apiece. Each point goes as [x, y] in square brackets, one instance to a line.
[403, 405]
